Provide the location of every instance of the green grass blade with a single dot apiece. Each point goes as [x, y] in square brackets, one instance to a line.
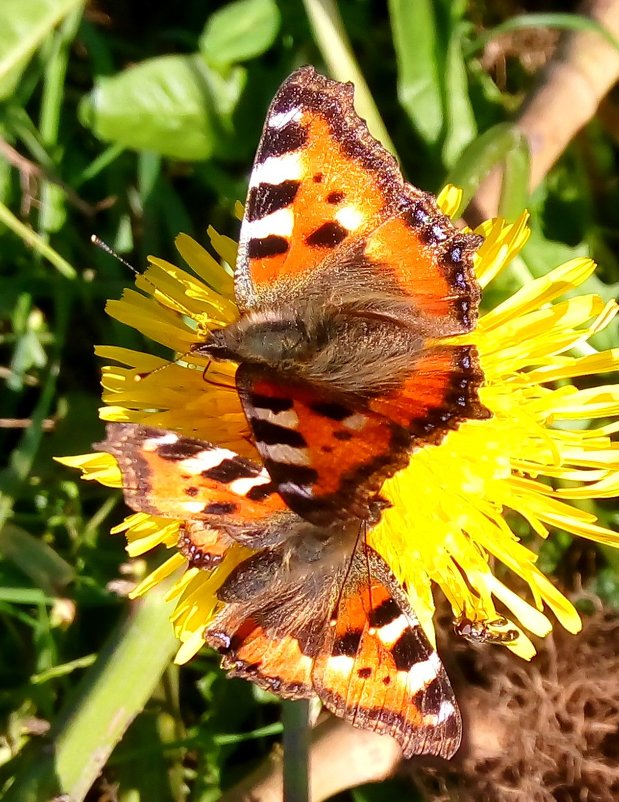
[516, 179]
[38, 561]
[479, 158]
[335, 49]
[112, 693]
[420, 78]
[36, 242]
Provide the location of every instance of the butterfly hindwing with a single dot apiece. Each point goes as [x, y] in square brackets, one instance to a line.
[275, 613]
[345, 632]
[378, 670]
[217, 494]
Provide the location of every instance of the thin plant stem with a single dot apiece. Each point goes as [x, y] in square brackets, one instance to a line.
[296, 740]
[336, 50]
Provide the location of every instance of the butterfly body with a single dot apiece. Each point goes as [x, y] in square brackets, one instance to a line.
[351, 350]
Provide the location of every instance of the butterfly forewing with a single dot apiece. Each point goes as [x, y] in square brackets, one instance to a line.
[318, 180]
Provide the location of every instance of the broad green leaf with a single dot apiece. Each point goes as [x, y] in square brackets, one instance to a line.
[460, 127]
[23, 26]
[432, 80]
[240, 31]
[419, 69]
[173, 105]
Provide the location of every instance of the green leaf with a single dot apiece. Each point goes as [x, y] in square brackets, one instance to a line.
[432, 79]
[460, 126]
[420, 78]
[23, 26]
[477, 160]
[240, 31]
[176, 106]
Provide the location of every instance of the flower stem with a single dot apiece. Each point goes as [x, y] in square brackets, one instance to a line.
[296, 739]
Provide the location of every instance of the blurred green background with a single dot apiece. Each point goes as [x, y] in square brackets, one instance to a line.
[137, 121]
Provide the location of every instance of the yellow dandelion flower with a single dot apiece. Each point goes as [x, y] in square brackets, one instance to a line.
[451, 523]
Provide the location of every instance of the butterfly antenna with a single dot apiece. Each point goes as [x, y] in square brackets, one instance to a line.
[109, 250]
[141, 376]
[99, 243]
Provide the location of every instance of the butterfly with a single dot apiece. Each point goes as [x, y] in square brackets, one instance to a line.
[350, 283]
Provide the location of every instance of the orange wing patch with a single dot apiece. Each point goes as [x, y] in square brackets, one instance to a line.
[440, 392]
[276, 664]
[327, 458]
[428, 262]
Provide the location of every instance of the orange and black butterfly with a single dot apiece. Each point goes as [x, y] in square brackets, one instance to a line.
[349, 282]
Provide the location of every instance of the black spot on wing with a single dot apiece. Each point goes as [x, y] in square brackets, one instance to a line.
[408, 650]
[264, 247]
[260, 492]
[347, 644]
[268, 198]
[228, 471]
[429, 699]
[332, 410]
[300, 475]
[386, 612]
[272, 403]
[328, 235]
[220, 508]
[335, 197]
[183, 448]
[365, 673]
[192, 491]
[272, 434]
[283, 140]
